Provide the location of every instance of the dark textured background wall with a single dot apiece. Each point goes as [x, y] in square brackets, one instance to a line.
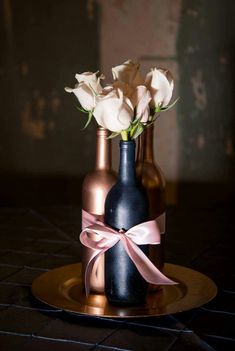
[43, 44]
[43, 153]
[206, 52]
[206, 114]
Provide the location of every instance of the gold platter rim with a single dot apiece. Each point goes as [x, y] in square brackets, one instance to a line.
[200, 289]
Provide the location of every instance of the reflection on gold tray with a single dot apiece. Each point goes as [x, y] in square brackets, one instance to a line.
[62, 288]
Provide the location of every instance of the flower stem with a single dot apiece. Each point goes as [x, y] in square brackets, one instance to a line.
[124, 135]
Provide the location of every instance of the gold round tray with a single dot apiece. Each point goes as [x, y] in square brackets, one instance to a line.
[62, 288]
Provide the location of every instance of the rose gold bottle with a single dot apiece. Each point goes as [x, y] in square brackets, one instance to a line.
[150, 176]
[95, 187]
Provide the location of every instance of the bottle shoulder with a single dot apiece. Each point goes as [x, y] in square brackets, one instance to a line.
[126, 206]
[100, 175]
[126, 192]
[150, 174]
[95, 188]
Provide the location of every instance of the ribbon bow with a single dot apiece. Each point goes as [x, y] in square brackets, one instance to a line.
[141, 234]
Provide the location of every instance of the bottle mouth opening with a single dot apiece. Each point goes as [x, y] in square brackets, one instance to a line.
[102, 131]
[126, 144]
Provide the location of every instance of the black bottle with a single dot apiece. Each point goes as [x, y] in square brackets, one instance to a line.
[125, 207]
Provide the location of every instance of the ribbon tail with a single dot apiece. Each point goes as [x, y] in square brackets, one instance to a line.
[89, 268]
[143, 264]
[99, 247]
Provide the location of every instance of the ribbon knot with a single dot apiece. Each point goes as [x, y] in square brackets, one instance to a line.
[106, 237]
[121, 234]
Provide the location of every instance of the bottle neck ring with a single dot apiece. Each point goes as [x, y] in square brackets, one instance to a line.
[103, 149]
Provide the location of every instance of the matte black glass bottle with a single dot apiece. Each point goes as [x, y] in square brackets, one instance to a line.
[125, 206]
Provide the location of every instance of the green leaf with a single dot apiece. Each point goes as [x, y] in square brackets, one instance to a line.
[152, 120]
[133, 128]
[138, 131]
[136, 121]
[81, 109]
[170, 106]
[113, 135]
[90, 114]
[157, 109]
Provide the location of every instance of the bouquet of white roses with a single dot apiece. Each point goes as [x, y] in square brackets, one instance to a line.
[130, 103]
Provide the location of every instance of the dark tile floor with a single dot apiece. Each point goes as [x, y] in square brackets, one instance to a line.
[33, 241]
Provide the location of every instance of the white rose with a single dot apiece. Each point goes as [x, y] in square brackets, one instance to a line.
[138, 80]
[140, 101]
[84, 94]
[124, 87]
[127, 72]
[160, 84]
[113, 111]
[86, 89]
[91, 80]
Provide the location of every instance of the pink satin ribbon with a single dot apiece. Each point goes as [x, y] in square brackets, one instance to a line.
[141, 234]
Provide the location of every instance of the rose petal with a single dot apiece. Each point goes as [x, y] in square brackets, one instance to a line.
[68, 90]
[126, 88]
[160, 84]
[112, 111]
[91, 80]
[85, 96]
[126, 72]
[140, 100]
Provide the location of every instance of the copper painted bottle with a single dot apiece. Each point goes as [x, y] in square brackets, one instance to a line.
[150, 176]
[96, 186]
